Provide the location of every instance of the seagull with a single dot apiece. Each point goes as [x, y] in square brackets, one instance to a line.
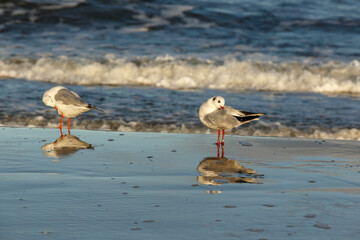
[215, 115]
[66, 102]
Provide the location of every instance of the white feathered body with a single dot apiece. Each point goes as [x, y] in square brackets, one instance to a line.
[71, 111]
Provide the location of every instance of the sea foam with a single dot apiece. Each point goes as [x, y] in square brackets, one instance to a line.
[173, 73]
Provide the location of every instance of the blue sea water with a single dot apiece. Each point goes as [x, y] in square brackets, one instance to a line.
[150, 64]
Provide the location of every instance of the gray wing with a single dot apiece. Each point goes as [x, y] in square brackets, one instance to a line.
[67, 97]
[221, 119]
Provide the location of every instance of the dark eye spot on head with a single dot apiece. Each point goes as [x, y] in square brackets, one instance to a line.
[219, 101]
[214, 98]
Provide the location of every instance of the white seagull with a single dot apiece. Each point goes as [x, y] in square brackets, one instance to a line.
[66, 102]
[215, 115]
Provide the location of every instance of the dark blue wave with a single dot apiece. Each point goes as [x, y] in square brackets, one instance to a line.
[324, 29]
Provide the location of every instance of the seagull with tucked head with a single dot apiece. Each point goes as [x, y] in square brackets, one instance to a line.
[66, 102]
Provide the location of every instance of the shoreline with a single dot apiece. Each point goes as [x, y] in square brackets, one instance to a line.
[238, 132]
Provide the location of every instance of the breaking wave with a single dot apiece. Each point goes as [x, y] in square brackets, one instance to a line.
[191, 73]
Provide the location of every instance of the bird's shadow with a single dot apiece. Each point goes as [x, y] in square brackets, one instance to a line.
[64, 146]
[220, 170]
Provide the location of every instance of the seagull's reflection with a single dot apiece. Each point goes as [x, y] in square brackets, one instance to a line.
[64, 146]
[219, 170]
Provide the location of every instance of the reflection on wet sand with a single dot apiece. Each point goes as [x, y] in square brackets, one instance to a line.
[64, 146]
[219, 170]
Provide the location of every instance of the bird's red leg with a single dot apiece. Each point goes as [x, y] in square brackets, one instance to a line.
[60, 134]
[218, 142]
[62, 117]
[218, 153]
[222, 151]
[69, 125]
[223, 136]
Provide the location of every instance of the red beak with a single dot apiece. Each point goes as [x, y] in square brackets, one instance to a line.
[56, 108]
[221, 107]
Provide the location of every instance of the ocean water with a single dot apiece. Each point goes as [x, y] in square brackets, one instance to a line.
[150, 64]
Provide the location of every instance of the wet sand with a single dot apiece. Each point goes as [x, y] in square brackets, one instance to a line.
[129, 185]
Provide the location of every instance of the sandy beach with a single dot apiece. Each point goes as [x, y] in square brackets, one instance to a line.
[132, 185]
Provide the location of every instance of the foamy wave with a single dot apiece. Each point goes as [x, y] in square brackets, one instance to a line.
[279, 130]
[172, 73]
[258, 129]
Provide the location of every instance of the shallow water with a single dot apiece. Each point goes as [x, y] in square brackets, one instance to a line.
[146, 185]
[151, 64]
[146, 109]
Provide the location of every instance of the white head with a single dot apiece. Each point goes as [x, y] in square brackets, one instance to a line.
[49, 96]
[211, 105]
[217, 102]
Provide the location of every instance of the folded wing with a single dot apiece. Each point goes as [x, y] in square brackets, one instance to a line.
[229, 118]
[68, 97]
[220, 119]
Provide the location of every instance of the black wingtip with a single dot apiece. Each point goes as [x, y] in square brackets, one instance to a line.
[253, 114]
[93, 107]
[249, 118]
